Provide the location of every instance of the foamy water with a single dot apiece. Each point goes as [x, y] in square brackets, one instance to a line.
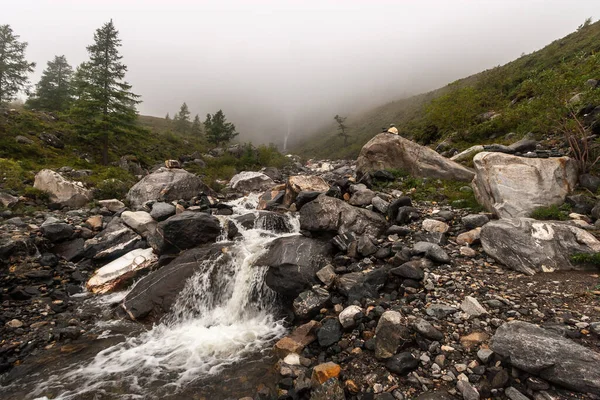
[223, 314]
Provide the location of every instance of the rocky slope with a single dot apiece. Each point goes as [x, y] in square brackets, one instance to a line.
[385, 297]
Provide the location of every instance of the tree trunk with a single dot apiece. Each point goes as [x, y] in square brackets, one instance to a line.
[105, 149]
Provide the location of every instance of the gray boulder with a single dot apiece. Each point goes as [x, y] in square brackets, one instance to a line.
[166, 185]
[327, 214]
[55, 230]
[116, 240]
[250, 181]
[161, 211]
[511, 186]
[62, 191]
[529, 246]
[309, 302]
[548, 355]
[184, 231]
[386, 151]
[293, 262]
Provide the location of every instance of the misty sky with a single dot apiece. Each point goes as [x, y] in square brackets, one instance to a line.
[267, 63]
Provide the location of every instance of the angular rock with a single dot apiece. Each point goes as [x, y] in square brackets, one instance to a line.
[125, 268]
[391, 334]
[62, 191]
[323, 372]
[387, 151]
[309, 302]
[402, 363]
[365, 246]
[471, 306]
[154, 294]
[327, 275]
[473, 221]
[380, 205]
[514, 394]
[250, 181]
[440, 311]
[362, 198]
[347, 315]
[329, 333]
[433, 225]
[71, 250]
[112, 205]
[184, 231]
[139, 221]
[267, 220]
[470, 237]
[55, 230]
[467, 390]
[303, 183]
[363, 284]
[295, 342]
[166, 185]
[409, 270]
[531, 246]
[116, 240]
[548, 355]
[511, 186]
[431, 251]
[427, 330]
[329, 390]
[333, 215]
[293, 262]
[8, 200]
[590, 182]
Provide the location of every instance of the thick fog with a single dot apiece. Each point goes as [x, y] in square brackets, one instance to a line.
[278, 65]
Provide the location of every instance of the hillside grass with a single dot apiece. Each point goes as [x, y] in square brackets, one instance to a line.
[528, 94]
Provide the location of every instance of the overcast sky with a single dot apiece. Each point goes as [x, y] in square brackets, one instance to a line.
[270, 63]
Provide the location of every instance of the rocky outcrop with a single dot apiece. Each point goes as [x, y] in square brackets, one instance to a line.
[386, 151]
[166, 185]
[185, 231]
[154, 295]
[303, 183]
[549, 356]
[250, 181]
[327, 214]
[511, 186]
[125, 268]
[293, 262]
[62, 191]
[529, 246]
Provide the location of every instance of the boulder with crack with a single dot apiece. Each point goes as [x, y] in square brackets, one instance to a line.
[115, 274]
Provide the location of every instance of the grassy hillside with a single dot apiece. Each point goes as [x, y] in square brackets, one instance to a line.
[526, 95]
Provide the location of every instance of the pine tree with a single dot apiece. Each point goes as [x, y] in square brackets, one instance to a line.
[342, 128]
[13, 66]
[218, 130]
[197, 126]
[104, 106]
[167, 117]
[53, 91]
[183, 124]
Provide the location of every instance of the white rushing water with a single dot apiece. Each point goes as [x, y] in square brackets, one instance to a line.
[222, 315]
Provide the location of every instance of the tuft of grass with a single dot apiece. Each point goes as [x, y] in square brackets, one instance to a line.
[554, 212]
[586, 258]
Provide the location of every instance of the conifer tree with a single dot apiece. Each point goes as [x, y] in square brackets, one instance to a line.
[167, 117]
[183, 124]
[342, 128]
[53, 91]
[13, 66]
[197, 126]
[217, 129]
[105, 106]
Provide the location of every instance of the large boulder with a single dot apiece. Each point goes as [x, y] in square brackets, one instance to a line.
[387, 151]
[155, 294]
[250, 181]
[293, 262]
[303, 183]
[511, 186]
[529, 246]
[548, 355]
[166, 185]
[62, 191]
[114, 274]
[139, 221]
[116, 240]
[184, 231]
[328, 214]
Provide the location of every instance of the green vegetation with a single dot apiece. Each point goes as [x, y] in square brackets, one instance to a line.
[13, 66]
[586, 258]
[530, 94]
[455, 193]
[181, 120]
[342, 128]
[218, 130]
[552, 213]
[53, 91]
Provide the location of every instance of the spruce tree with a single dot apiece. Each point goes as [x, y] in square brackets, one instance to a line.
[167, 117]
[218, 130]
[13, 66]
[105, 106]
[53, 91]
[182, 124]
[197, 126]
[342, 128]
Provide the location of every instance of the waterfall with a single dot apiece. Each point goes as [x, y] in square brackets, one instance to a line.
[223, 314]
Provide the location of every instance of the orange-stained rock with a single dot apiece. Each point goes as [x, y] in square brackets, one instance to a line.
[269, 195]
[95, 222]
[351, 386]
[323, 372]
[302, 183]
[473, 339]
[469, 237]
[295, 342]
[347, 196]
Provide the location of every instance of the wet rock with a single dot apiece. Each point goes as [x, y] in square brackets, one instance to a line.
[531, 246]
[391, 334]
[166, 185]
[309, 302]
[155, 293]
[116, 240]
[329, 333]
[326, 214]
[293, 262]
[62, 191]
[184, 231]
[511, 186]
[296, 341]
[402, 363]
[387, 151]
[125, 268]
[548, 355]
[268, 220]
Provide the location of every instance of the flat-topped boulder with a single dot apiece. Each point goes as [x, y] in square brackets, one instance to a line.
[387, 151]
